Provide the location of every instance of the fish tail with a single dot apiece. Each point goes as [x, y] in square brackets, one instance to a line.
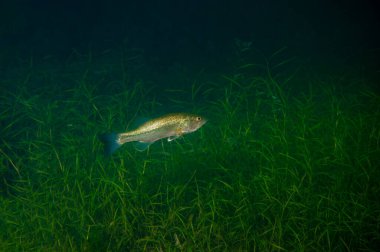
[110, 142]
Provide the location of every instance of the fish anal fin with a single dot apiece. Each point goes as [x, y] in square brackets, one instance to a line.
[142, 146]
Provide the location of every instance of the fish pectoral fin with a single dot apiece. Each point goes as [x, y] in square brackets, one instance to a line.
[141, 146]
[171, 138]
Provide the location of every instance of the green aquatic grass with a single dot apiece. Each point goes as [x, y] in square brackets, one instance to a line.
[270, 171]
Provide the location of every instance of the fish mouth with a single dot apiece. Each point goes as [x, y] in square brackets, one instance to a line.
[203, 122]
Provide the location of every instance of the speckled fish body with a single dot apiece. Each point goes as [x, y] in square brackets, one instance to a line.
[167, 126]
[170, 126]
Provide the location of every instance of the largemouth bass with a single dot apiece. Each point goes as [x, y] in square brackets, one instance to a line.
[170, 126]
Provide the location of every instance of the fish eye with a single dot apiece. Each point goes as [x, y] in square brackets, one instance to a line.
[198, 118]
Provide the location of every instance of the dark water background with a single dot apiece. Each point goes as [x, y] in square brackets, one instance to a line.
[194, 34]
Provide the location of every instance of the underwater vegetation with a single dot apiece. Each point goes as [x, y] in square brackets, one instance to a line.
[277, 167]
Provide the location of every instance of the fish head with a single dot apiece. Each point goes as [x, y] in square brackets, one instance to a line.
[194, 122]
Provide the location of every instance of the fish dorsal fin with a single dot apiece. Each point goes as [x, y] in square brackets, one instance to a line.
[138, 122]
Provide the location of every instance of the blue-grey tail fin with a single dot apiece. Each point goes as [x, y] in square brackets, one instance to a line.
[110, 142]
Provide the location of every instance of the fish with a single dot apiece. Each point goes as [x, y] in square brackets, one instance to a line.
[170, 126]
